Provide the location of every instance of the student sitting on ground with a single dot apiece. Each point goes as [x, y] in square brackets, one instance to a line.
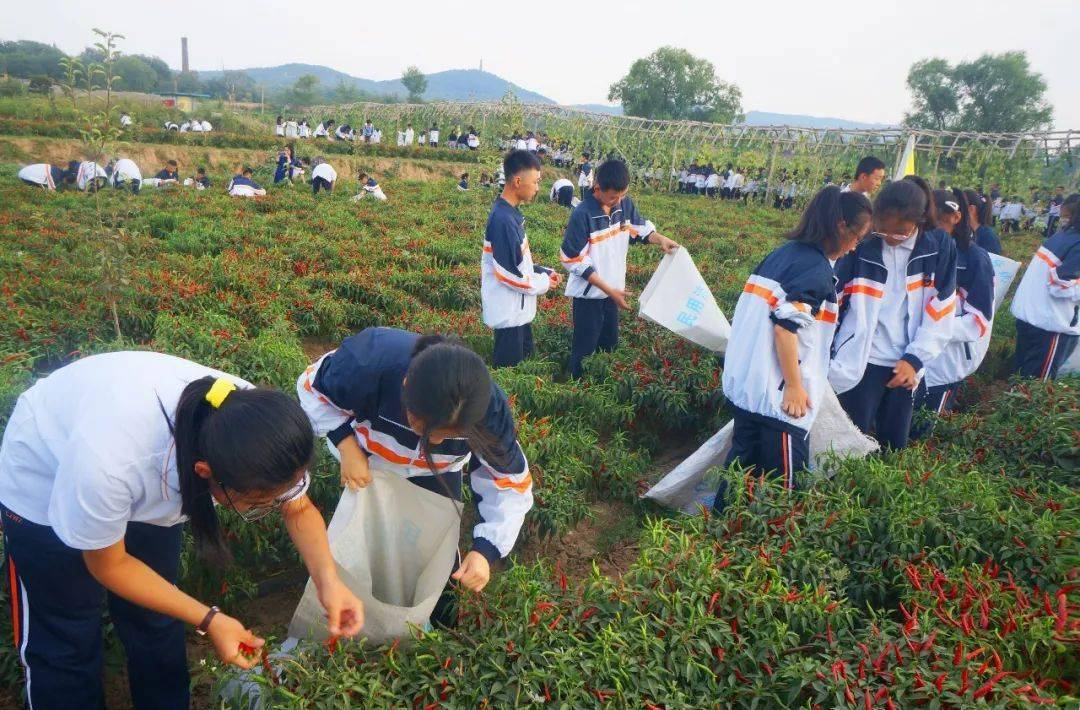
[125, 120]
[49, 177]
[323, 176]
[126, 174]
[594, 248]
[324, 129]
[777, 362]
[485, 180]
[243, 186]
[463, 183]
[898, 296]
[368, 186]
[562, 193]
[509, 281]
[1047, 300]
[200, 181]
[170, 173]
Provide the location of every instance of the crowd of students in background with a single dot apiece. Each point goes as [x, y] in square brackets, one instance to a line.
[890, 304]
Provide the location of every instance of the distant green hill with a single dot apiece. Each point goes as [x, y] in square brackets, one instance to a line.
[452, 85]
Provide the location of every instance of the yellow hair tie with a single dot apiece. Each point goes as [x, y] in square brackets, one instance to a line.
[219, 391]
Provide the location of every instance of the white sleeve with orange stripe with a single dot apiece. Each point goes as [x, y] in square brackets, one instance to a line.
[1066, 289]
[324, 415]
[533, 284]
[574, 253]
[504, 499]
[781, 308]
[939, 312]
[970, 324]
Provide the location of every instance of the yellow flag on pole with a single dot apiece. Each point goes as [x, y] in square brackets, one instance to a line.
[906, 165]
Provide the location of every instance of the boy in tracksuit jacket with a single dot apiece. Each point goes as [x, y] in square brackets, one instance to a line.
[897, 295]
[594, 248]
[777, 359]
[1047, 301]
[509, 281]
[974, 314]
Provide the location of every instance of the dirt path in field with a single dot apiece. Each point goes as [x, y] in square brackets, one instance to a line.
[150, 156]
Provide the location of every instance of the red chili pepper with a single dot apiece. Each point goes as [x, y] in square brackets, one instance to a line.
[767, 668]
[331, 644]
[246, 650]
[862, 669]
[964, 681]
[866, 699]
[899, 658]
[976, 653]
[849, 695]
[919, 682]
[447, 663]
[542, 607]
[555, 623]
[864, 649]
[724, 563]
[547, 694]
[534, 619]
[939, 682]
[719, 653]
[740, 677]
[1063, 612]
[997, 661]
[829, 634]
[889, 704]
[830, 520]
[880, 695]
[510, 646]
[588, 612]
[831, 607]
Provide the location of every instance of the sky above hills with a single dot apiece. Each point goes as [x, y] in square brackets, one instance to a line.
[841, 58]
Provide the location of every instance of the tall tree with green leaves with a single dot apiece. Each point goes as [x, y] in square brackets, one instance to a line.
[346, 92]
[996, 93]
[415, 83]
[672, 83]
[305, 90]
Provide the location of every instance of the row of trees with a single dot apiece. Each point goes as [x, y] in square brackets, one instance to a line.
[996, 93]
[43, 65]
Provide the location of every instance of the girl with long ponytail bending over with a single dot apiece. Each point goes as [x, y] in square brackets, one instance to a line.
[102, 463]
[425, 408]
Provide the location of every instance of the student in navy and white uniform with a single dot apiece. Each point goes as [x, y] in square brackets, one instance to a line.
[974, 319]
[869, 174]
[168, 174]
[279, 127]
[126, 174]
[102, 462]
[562, 193]
[1047, 301]
[509, 281]
[369, 187]
[323, 176]
[433, 137]
[200, 181]
[243, 185]
[463, 183]
[594, 248]
[585, 175]
[49, 177]
[425, 408]
[979, 217]
[90, 177]
[344, 132]
[1054, 211]
[286, 161]
[323, 129]
[777, 361]
[897, 299]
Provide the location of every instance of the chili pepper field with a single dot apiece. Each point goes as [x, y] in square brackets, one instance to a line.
[945, 575]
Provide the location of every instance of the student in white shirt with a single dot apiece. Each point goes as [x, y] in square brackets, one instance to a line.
[369, 186]
[196, 126]
[409, 134]
[562, 193]
[305, 129]
[49, 177]
[869, 174]
[102, 462]
[279, 127]
[433, 137]
[712, 183]
[323, 176]
[125, 120]
[126, 174]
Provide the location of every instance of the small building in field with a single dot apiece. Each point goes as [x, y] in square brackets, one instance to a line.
[182, 100]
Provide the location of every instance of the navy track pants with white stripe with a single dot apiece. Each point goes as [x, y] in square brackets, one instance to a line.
[1041, 353]
[930, 403]
[769, 447]
[57, 614]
